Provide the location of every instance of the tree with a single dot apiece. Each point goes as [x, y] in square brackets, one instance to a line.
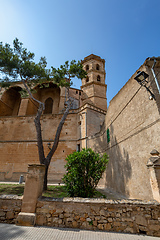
[17, 64]
[83, 172]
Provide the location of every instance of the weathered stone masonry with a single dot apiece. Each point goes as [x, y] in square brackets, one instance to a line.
[10, 207]
[18, 143]
[100, 214]
[130, 216]
[132, 119]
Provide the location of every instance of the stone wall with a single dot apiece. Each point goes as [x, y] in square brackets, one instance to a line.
[133, 121]
[10, 206]
[100, 214]
[18, 144]
[130, 216]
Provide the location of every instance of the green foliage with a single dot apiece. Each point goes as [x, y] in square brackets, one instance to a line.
[52, 191]
[15, 189]
[17, 64]
[83, 172]
[62, 76]
[23, 93]
[5, 84]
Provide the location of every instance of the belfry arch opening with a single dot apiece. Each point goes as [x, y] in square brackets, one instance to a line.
[98, 78]
[87, 79]
[87, 67]
[97, 67]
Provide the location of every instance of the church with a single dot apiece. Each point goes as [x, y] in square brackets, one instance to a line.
[128, 130]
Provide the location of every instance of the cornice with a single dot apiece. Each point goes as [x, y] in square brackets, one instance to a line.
[92, 56]
[94, 83]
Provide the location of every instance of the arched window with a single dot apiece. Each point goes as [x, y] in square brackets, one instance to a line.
[97, 67]
[87, 79]
[48, 106]
[98, 78]
[87, 67]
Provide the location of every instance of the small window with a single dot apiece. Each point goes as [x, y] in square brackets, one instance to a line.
[98, 78]
[87, 79]
[76, 92]
[108, 135]
[78, 147]
[97, 67]
[87, 67]
[48, 106]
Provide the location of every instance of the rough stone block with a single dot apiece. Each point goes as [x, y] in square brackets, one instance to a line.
[74, 224]
[69, 219]
[154, 227]
[141, 220]
[26, 219]
[2, 214]
[52, 211]
[10, 215]
[95, 223]
[66, 215]
[127, 220]
[59, 221]
[55, 220]
[129, 230]
[110, 220]
[77, 217]
[100, 226]
[102, 212]
[117, 224]
[82, 219]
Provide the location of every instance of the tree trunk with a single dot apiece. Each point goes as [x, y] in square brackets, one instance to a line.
[46, 161]
[39, 134]
[45, 178]
[37, 124]
[56, 141]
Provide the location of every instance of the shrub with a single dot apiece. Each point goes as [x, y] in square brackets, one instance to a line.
[83, 172]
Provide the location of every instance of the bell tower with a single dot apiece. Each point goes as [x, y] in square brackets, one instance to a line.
[93, 86]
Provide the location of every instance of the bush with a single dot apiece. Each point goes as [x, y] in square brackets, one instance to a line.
[83, 172]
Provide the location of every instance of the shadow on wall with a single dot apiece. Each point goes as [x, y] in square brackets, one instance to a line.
[119, 169]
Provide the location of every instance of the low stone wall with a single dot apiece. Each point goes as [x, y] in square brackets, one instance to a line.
[130, 216]
[10, 206]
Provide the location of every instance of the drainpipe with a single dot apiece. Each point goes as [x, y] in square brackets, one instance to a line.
[154, 75]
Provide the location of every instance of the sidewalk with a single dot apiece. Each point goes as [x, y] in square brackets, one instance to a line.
[13, 232]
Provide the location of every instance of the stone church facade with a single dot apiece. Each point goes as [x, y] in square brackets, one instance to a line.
[128, 130]
[18, 146]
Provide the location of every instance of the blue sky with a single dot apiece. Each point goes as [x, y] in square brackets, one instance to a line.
[123, 32]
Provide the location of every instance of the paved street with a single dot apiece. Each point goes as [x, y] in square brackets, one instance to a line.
[13, 232]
